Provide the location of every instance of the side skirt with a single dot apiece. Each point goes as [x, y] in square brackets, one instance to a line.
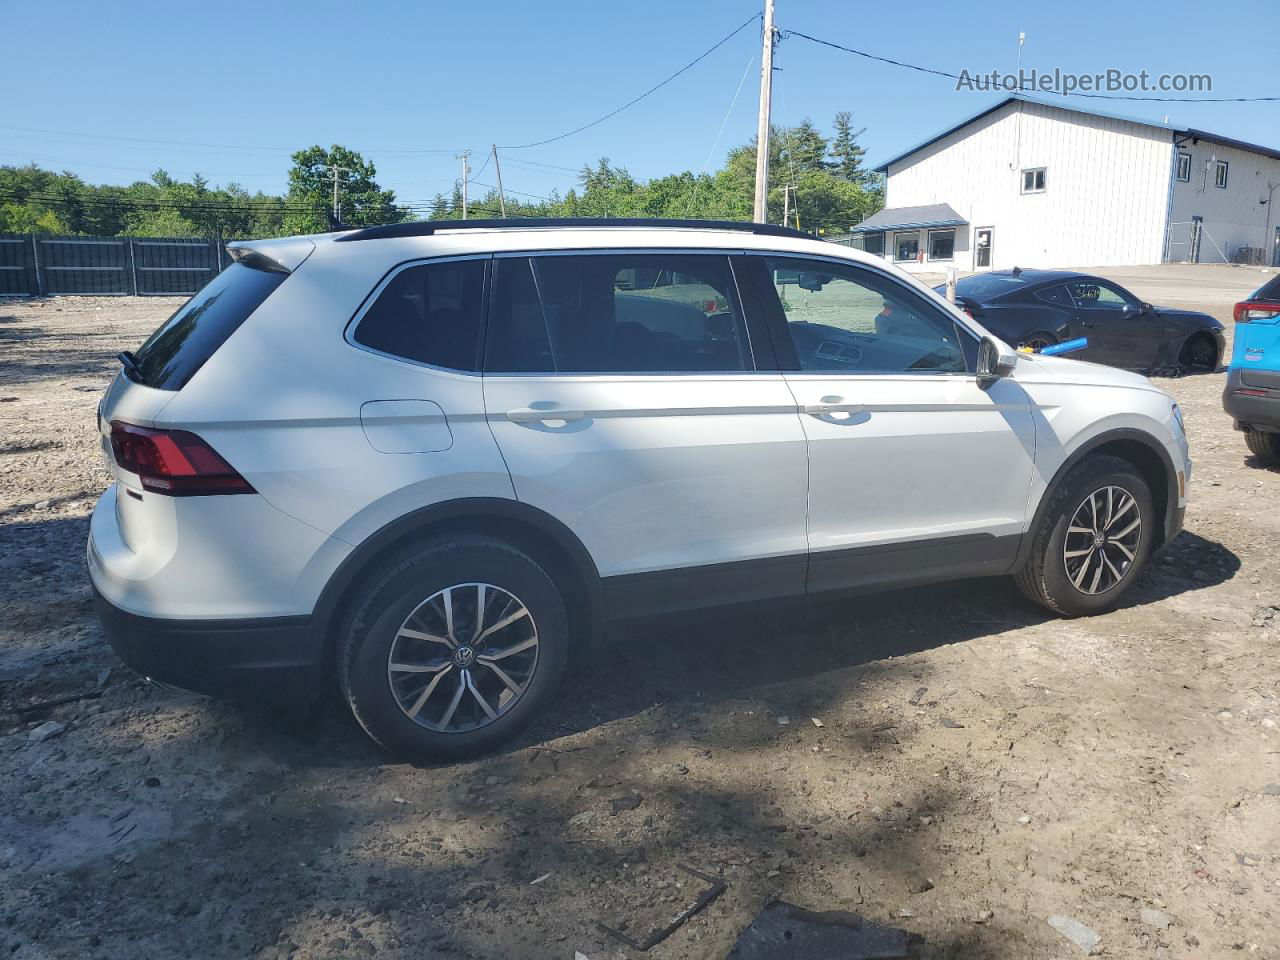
[881, 567]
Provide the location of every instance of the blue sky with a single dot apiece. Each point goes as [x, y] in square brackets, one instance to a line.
[398, 80]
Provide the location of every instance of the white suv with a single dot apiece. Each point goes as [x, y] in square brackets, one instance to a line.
[430, 460]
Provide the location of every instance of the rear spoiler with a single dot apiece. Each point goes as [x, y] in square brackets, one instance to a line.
[276, 256]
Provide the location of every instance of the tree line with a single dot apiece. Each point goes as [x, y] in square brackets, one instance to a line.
[819, 182]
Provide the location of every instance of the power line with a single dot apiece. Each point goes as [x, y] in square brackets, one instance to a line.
[196, 143]
[654, 89]
[1075, 93]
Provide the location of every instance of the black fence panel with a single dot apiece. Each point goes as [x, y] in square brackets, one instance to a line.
[173, 267]
[35, 265]
[98, 265]
[17, 265]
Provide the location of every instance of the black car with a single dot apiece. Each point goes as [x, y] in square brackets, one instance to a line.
[1037, 308]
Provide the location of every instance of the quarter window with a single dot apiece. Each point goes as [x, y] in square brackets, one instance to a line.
[1184, 167]
[625, 313]
[845, 319]
[942, 244]
[1056, 295]
[1220, 173]
[1033, 180]
[429, 313]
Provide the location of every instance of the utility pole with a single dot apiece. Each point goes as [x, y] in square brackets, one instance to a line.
[761, 210]
[466, 173]
[502, 197]
[337, 207]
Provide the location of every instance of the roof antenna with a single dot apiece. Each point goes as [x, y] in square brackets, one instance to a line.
[1017, 271]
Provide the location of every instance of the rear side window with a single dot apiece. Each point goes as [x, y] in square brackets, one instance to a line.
[430, 313]
[172, 355]
[1057, 295]
[616, 313]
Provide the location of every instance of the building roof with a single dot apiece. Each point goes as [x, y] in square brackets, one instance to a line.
[907, 218]
[1176, 130]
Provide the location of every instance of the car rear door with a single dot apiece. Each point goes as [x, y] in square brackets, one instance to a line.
[624, 392]
[916, 472]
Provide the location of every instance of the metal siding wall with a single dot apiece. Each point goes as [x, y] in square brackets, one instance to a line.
[1234, 217]
[1106, 196]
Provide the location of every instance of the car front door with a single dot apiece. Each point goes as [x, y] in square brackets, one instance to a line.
[916, 471]
[624, 394]
[1120, 332]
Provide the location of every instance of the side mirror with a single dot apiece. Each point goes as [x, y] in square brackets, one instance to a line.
[1147, 308]
[995, 360]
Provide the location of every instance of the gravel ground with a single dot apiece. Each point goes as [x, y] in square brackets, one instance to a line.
[946, 760]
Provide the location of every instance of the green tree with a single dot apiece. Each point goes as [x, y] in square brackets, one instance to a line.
[361, 200]
[846, 150]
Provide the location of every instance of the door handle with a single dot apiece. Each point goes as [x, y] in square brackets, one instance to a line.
[821, 409]
[532, 415]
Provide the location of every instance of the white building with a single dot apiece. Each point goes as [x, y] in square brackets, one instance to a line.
[1033, 184]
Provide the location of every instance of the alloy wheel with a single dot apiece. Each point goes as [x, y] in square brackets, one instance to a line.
[463, 657]
[1102, 540]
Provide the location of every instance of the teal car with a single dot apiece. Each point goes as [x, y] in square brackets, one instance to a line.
[1252, 395]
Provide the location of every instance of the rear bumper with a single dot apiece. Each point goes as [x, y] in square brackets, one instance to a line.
[276, 659]
[1262, 412]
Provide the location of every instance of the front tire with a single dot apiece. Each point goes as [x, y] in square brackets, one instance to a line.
[1093, 540]
[1264, 446]
[1199, 354]
[453, 649]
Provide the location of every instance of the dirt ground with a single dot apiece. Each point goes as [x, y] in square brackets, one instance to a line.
[947, 760]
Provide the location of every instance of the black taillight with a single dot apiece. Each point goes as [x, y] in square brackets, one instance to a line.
[174, 462]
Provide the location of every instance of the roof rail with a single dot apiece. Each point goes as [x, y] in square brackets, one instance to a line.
[425, 228]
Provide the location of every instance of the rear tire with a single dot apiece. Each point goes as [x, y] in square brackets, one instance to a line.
[420, 623]
[1038, 340]
[1084, 559]
[1264, 446]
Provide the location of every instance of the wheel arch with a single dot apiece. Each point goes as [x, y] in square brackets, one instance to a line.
[546, 539]
[1137, 447]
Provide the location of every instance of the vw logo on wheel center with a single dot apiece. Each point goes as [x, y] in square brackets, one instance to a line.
[464, 656]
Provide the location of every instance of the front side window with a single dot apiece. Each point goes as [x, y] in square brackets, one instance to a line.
[1220, 173]
[1091, 295]
[1184, 167]
[430, 313]
[848, 319]
[906, 246]
[616, 313]
[1033, 181]
[942, 244]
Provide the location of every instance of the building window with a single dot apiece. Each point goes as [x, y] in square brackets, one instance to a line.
[1033, 180]
[1220, 173]
[873, 243]
[1184, 167]
[906, 246]
[942, 244]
